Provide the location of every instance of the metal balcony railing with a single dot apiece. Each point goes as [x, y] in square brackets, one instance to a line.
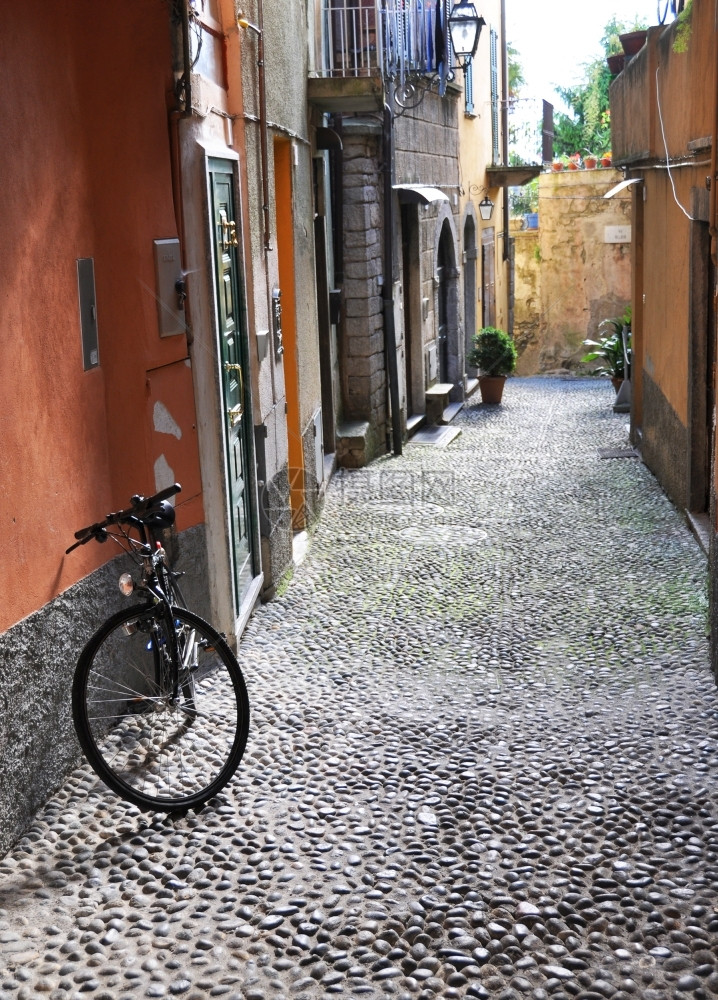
[395, 39]
[348, 43]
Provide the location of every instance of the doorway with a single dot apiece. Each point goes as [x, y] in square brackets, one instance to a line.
[443, 269]
[470, 257]
[701, 392]
[285, 259]
[450, 354]
[412, 313]
[488, 277]
[235, 396]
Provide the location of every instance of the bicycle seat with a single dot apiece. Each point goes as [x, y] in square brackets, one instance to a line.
[160, 516]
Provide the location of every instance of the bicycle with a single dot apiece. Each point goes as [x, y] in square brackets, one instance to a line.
[159, 703]
[675, 7]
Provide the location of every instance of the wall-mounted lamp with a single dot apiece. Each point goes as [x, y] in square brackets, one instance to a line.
[465, 27]
[486, 208]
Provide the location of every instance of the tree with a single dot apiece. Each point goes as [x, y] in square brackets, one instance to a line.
[516, 71]
[587, 126]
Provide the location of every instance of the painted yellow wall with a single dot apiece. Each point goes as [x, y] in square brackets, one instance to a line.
[475, 149]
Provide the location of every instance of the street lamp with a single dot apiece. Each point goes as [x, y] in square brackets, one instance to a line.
[486, 208]
[465, 27]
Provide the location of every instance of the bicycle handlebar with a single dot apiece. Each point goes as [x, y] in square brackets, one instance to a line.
[140, 505]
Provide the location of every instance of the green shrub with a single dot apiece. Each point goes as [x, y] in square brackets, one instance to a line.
[493, 353]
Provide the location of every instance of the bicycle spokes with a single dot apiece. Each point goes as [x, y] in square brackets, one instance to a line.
[162, 714]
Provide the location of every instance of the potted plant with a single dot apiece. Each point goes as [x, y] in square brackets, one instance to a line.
[574, 161]
[494, 354]
[616, 63]
[609, 349]
[590, 161]
[633, 42]
[606, 159]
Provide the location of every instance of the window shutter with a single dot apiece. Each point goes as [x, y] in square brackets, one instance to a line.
[495, 96]
[469, 89]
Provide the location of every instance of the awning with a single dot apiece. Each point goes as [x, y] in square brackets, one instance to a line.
[327, 138]
[419, 194]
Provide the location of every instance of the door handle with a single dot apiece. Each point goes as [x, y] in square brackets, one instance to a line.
[235, 413]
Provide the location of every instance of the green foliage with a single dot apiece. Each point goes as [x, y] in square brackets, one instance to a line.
[524, 199]
[494, 352]
[609, 349]
[516, 71]
[587, 126]
[683, 31]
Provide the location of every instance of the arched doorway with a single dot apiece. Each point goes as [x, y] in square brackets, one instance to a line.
[449, 357]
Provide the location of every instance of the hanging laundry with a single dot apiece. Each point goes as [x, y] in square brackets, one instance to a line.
[442, 62]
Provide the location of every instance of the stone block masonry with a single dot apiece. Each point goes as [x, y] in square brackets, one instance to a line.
[361, 342]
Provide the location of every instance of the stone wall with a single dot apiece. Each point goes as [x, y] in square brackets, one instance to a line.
[37, 662]
[425, 153]
[569, 276]
[527, 299]
[362, 368]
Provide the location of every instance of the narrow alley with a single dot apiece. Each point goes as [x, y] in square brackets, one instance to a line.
[482, 760]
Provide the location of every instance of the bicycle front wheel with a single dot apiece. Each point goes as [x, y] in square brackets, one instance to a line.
[164, 735]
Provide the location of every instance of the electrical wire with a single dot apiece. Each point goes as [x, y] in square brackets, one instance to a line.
[665, 146]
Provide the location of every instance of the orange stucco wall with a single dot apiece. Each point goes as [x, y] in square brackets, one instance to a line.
[666, 304]
[667, 89]
[662, 111]
[86, 172]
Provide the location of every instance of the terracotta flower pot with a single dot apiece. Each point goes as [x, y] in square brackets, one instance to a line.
[633, 42]
[616, 63]
[572, 165]
[590, 162]
[557, 166]
[606, 161]
[491, 388]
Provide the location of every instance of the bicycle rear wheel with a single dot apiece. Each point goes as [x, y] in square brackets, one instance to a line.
[161, 738]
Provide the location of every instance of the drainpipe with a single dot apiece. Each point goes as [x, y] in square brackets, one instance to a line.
[175, 115]
[504, 130]
[187, 60]
[258, 29]
[714, 157]
[387, 290]
[337, 161]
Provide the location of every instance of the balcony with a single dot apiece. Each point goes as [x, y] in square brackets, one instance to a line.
[528, 125]
[362, 44]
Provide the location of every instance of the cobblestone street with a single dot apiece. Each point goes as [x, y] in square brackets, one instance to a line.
[482, 760]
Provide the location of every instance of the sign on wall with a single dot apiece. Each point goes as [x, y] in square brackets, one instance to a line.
[617, 234]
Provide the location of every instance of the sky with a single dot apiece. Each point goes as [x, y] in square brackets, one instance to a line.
[555, 38]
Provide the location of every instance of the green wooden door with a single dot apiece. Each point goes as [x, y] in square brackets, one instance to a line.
[235, 374]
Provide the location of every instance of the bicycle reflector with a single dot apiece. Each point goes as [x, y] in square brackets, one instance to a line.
[126, 584]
